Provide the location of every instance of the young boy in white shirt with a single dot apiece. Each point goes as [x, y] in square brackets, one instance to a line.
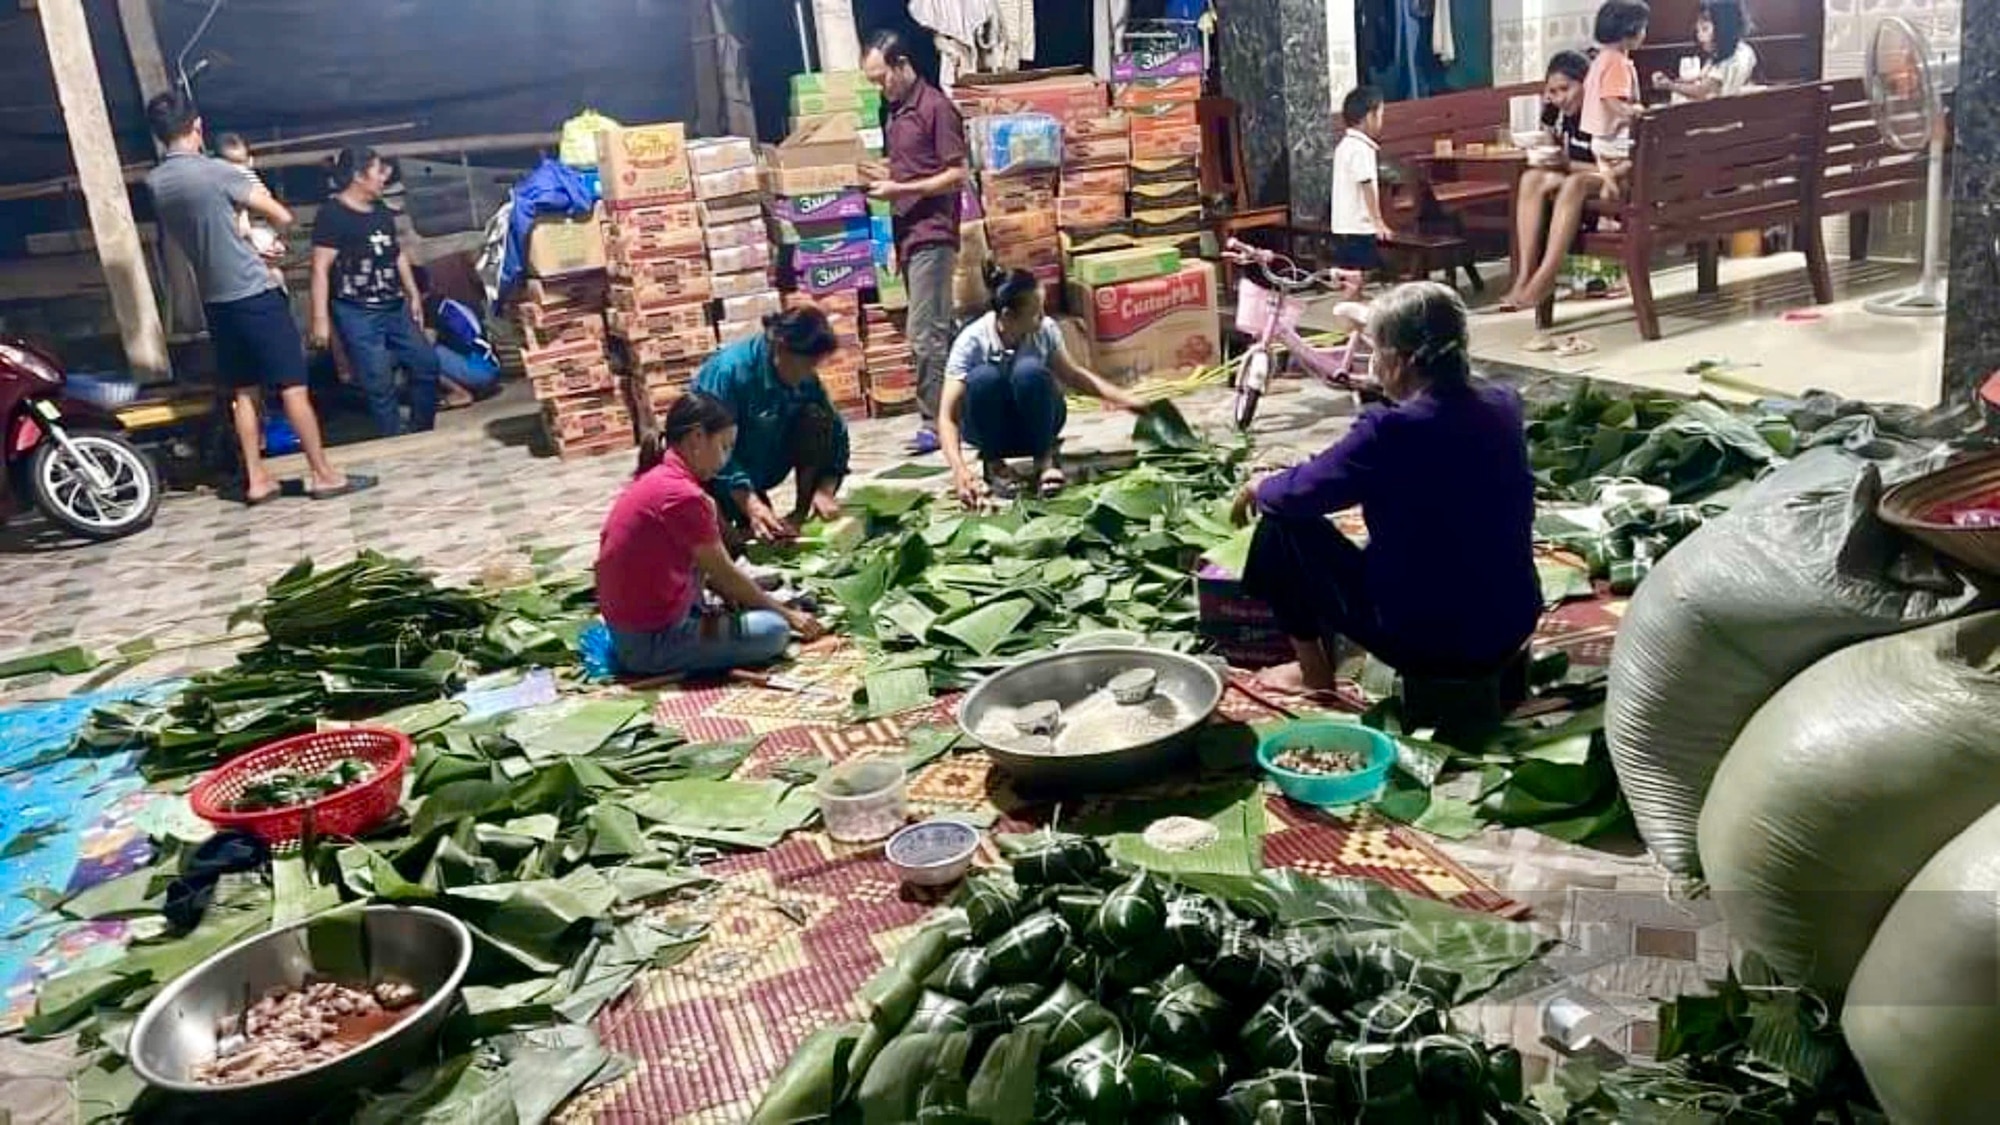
[1357, 221]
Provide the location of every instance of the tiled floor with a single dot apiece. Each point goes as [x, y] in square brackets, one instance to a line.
[473, 496]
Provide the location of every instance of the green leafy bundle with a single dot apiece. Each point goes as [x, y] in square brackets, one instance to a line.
[1083, 991]
[953, 593]
[1761, 1056]
[348, 642]
[1691, 448]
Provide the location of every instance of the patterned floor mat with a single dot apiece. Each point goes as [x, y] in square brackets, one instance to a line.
[798, 929]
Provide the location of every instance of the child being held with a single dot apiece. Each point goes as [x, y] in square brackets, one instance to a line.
[1611, 89]
[233, 148]
[1357, 221]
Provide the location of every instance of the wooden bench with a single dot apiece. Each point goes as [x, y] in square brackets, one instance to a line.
[1476, 200]
[1704, 170]
[1860, 170]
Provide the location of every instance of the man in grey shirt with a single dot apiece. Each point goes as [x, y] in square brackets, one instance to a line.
[196, 198]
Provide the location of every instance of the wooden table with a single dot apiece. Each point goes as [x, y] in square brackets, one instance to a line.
[1491, 166]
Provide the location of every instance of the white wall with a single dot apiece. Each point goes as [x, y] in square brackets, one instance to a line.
[1527, 32]
[1850, 24]
[1343, 69]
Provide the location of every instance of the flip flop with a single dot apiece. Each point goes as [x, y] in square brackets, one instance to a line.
[1053, 480]
[1574, 346]
[356, 482]
[250, 501]
[1540, 344]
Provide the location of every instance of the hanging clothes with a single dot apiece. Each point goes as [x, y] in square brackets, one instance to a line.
[1108, 20]
[839, 42]
[1015, 43]
[965, 32]
[1443, 46]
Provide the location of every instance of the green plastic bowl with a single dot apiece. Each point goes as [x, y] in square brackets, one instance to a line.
[1341, 789]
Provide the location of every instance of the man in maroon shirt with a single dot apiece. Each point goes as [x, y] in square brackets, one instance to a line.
[927, 168]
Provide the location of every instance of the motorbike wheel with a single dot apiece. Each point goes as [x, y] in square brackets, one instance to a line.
[62, 488]
[1250, 384]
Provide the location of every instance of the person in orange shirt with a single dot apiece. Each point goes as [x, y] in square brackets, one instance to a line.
[1611, 88]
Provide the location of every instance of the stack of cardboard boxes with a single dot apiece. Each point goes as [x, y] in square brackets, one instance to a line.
[843, 374]
[561, 316]
[892, 370]
[730, 193]
[660, 279]
[1146, 311]
[1158, 93]
[838, 97]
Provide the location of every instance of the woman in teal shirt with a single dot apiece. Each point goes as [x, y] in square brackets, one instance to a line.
[784, 423]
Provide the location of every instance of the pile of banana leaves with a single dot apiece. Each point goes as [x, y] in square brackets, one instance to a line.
[346, 642]
[564, 837]
[1692, 448]
[951, 594]
[1082, 991]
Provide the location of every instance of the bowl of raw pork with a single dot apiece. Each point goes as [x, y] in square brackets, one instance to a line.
[255, 1027]
[1092, 719]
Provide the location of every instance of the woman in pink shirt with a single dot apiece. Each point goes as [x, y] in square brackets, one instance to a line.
[662, 543]
[1611, 89]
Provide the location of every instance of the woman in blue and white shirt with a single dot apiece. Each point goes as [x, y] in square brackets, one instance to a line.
[1003, 390]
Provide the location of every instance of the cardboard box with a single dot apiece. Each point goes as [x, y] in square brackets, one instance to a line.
[661, 398]
[1167, 145]
[663, 231]
[1095, 127]
[865, 100]
[1163, 325]
[727, 183]
[1165, 60]
[730, 331]
[1115, 266]
[727, 285]
[1188, 246]
[740, 259]
[1025, 226]
[812, 253]
[1157, 91]
[661, 320]
[1163, 117]
[552, 294]
[549, 317]
[837, 206]
[735, 209]
[581, 417]
[1089, 210]
[1028, 91]
[563, 357]
[1173, 222]
[572, 380]
[1098, 152]
[1156, 197]
[1018, 195]
[890, 290]
[728, 236]
[556, 335]
[810, 181]
[1096, 181]
[1099, 240]
[752, 306]
[1040, 255]
[559, 245]
[670, 373]
[718, 154]
[643, 165]
[830, 82]
[643, 294]
[828, 143]
[669, 348]
[824, 280]
[1170, 171]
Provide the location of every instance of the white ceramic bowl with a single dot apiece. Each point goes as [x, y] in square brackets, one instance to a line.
[933, 853]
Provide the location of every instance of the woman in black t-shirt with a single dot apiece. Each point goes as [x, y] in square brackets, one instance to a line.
[1543, 204]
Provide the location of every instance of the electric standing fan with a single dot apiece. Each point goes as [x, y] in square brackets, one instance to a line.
[1907, 84]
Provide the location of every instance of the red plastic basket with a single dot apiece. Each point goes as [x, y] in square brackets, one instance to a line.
[348, 811]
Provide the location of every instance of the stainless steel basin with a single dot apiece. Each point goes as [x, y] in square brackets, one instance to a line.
[177, 1031]
[1067, 678]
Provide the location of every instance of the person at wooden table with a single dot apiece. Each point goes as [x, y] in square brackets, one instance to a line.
[662, 545]
[1560, 179]
[1003, 390]
[1446, 587]
[1728, 61]
[786, 425]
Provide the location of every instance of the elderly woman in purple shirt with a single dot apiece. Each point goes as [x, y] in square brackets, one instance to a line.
[1446, 587]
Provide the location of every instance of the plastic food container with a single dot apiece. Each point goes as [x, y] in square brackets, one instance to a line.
[934, 853]
[1378, 750]
[863, 800]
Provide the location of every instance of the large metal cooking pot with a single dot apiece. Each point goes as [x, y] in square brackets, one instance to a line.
[413, 944]
[1067, 678]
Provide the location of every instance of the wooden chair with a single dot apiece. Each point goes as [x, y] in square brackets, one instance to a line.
[1705, 170]
[1860, 171]
[1225, 182]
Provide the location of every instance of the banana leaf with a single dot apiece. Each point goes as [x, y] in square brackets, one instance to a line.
[891, 1091]
[1071, 1017]
[1289, 1032]
[962, 974]
[1028, 950]
[1176, 1084]
[1402, 1015]
[1247, 965]
[1099, 1083]
[1077, 908]
[1236, 809]
[936, 1011]
[1054, 860]
[1003, 1005]
[1451, 1071]
[1180, 1013]
[1378, 1079]
[1193, 927]
[1129, 917]
[811, 1084]
[1160, 428]
[991, 904]
[1002, 1091]
[891, 995]
[1285, 1098]
[570, 727]
[740, 812]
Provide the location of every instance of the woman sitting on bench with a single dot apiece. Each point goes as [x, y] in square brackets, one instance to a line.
[1553, 192]
[1446, 588]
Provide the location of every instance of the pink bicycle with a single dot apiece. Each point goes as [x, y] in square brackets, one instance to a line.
[1269, 313]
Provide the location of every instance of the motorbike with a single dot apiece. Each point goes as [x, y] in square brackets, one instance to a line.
[68, 457]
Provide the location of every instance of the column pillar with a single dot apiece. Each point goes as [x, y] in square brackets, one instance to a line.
[1972, 323]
